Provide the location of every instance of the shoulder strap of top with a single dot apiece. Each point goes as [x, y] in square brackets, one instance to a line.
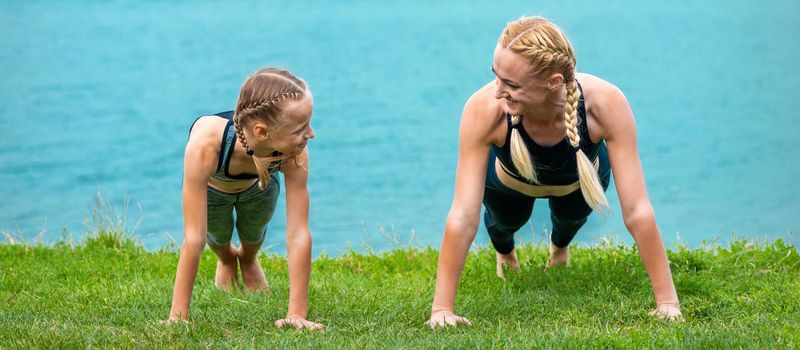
[226, 147]
[583, 126]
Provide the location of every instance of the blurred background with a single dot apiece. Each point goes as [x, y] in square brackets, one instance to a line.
[99, 96]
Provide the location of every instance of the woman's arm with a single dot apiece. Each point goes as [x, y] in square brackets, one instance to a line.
[464, 216]
[298, 243]
[616, 118]
[200, 160]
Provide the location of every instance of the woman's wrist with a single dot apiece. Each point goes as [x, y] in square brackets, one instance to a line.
[296, 315]
[669, 303]
[437, 308]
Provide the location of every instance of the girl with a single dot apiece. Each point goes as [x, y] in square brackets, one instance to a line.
[542, 130]
[230, 163]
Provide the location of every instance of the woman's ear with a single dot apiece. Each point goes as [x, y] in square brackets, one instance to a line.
[555, 81]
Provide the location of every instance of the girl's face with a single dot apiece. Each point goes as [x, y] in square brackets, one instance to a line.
[293, 132]
[520, 88]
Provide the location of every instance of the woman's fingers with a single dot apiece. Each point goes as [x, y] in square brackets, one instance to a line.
[440, 320]
[171, 321]
[668, 312]
[313, 325]
[298, 323]
[463, 320]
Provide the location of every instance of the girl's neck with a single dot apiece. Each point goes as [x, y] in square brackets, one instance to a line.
[240, 151]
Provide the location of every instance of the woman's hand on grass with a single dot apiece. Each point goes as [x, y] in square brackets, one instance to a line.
[668, 312]
[445, 318]
[299, 323]
[174, 320]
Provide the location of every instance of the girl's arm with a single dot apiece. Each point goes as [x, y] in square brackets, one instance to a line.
[298, 243]
[199, 164]
[464, 216]
[616, 118]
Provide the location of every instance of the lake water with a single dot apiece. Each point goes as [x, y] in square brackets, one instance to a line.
[100, 95]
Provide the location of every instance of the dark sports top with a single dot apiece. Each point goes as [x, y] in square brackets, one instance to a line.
[555, 165]
[226, 150]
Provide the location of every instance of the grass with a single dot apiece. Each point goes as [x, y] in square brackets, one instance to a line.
[108, 291]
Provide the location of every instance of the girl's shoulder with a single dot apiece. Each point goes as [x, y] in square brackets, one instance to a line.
[207, 131]
[203, 147]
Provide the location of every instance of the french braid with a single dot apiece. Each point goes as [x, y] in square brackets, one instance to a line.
[262, 97]
[548, 50]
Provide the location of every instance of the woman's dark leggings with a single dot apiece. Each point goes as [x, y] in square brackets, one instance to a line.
[507, 210]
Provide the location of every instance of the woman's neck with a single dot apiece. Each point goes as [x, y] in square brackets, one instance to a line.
[550, 111]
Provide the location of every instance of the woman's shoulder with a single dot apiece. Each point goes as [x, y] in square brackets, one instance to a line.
[596, 88]
[483, 116]
[483, 107]
[602, 98]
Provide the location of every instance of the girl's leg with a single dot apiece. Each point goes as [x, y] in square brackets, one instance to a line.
[254, 209]
[226, 276]
[252, 273]
[220, 229]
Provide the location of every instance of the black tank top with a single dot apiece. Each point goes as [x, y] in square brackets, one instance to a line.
[554, 165]
[226, 150]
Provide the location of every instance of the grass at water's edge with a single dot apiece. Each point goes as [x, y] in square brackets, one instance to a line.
[109, 291]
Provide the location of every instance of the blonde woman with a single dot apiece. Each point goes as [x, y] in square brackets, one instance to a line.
[230, 163]
[542, 130]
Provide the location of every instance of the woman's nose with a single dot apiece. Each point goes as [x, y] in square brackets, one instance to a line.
[500, 92]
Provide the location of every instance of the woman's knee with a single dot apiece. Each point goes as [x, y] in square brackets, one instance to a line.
[507, 223]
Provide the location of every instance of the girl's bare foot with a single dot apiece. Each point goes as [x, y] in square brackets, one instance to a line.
[509, 260]
[253, 274]
[558, 256]
[226, 276]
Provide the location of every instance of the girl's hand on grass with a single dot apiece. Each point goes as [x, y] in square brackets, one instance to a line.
[444, 318]
[299, 323]
[668, 312]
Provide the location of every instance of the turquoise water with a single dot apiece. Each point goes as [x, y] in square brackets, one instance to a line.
[99, 95]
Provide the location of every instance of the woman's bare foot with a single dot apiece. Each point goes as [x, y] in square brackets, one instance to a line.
[558, 256]
[253, 274]
[227, 275]
[509, 260]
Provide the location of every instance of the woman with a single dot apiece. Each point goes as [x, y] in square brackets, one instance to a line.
[544, 131]
[231, 162]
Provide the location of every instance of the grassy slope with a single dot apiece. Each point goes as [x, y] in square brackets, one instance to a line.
[110, 292]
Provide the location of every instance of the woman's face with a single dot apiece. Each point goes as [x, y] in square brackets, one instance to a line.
[520, 88]
[293, 132]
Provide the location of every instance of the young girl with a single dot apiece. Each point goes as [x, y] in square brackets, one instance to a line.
[542, 130]
[230, 163]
